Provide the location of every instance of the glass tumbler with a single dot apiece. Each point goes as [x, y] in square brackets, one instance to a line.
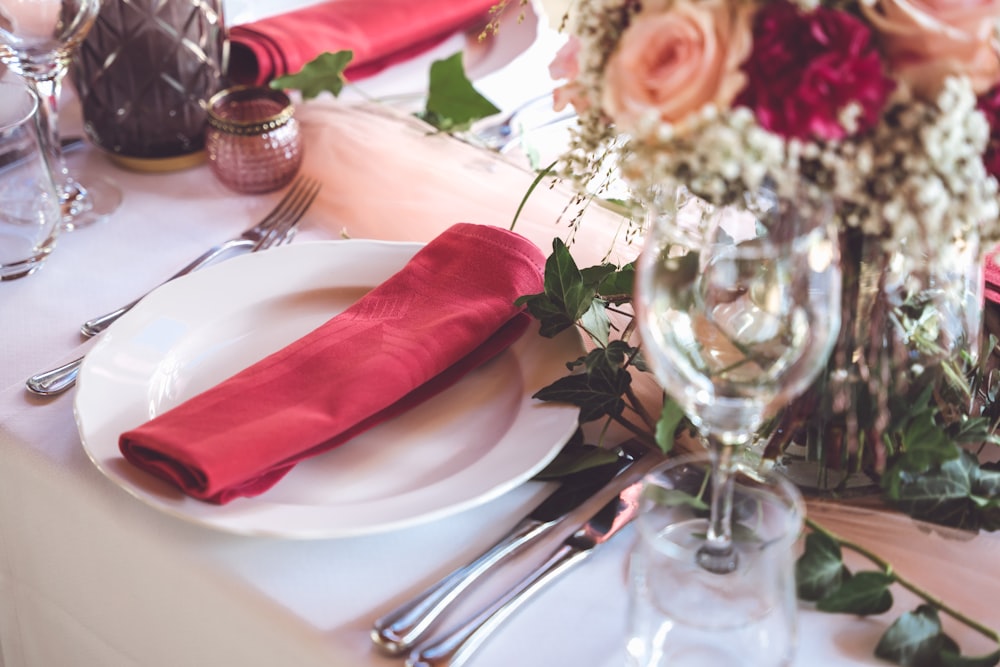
[253, 140]
[682, 614]
[30, 212]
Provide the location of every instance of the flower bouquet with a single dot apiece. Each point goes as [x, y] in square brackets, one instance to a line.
[889, 108]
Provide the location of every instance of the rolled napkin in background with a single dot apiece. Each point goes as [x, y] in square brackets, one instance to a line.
[450, 309]
[380, 33]
[991, 275]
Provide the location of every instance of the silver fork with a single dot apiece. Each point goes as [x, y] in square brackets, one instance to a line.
[263, 235]
[277, 228]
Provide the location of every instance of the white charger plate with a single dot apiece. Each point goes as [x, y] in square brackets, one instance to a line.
[469, 444]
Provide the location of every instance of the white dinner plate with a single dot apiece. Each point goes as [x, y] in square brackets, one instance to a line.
[466, 445]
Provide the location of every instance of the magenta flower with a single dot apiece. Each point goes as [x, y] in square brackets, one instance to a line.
[806, 70]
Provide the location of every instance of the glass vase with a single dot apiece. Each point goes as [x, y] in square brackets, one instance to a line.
[910, 334]
[144, 76]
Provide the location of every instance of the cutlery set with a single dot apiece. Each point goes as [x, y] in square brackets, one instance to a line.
[402, 629]
[275, 229]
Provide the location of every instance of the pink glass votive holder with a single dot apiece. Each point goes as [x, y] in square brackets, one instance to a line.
[253, 141]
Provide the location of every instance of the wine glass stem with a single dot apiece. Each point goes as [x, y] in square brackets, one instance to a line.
[48, 88]
[717, 554]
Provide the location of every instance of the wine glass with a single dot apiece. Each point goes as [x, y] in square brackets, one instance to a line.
[739, 307]
[37, 39]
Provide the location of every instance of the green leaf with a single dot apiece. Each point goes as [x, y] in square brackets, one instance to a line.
[619, 283]
[325, 72]
[820, 569]
[597, 392]
[551, 316]
[564, 283]
[595, 322]
[575, 458]
[914, 640]
[863, 594]
[676, 498]
[942, 495]
[671, 415]
[925, 443]
[595, 275]
[453, 103]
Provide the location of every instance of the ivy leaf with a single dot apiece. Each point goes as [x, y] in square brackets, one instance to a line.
[566, 296]
[942, 495]
[820, 569]
[597, 392]
[325, 72]
[564, 283]
[666, 426]
[576, 458]
[618, 284]
[595, 275]
[677, 498]
[863, 594]
[453, 103]
[925, 443]
[914, 640]
[595, 322]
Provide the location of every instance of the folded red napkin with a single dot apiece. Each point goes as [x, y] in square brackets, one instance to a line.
[379, 32]
[991, 274]
[450, 309]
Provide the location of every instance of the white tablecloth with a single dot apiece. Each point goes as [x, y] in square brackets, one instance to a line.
[89, 577]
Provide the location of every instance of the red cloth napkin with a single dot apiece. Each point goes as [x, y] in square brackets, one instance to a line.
[379, 32]
[991, 274]
[450, 309]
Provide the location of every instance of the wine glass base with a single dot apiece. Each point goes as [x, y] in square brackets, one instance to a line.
[717, 561]
[84, 205]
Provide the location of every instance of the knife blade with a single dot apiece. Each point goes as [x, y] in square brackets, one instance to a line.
[457, 646]
[400, 629]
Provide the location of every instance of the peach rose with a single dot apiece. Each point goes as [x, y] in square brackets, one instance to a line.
[927, 40]
[675, 61]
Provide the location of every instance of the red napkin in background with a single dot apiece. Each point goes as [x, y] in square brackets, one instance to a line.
[450, 309]
[991, 274]
[379, 32]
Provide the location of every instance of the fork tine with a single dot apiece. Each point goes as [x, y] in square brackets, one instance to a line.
[284, 227]
[277, 214]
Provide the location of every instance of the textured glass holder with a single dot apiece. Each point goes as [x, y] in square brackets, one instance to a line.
[253, 139]
[144, 75]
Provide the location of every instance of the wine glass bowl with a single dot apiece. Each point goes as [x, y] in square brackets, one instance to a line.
[739, 308]
[37, 41]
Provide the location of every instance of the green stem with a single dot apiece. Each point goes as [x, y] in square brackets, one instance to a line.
[640, 409]
[531, 188]
[906, 583]
[639, 432]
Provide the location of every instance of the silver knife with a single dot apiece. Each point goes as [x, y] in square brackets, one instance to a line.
[458, 645]
[400, 629]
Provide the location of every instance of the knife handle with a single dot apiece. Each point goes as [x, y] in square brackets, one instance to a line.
[400, 629]
[457, 646]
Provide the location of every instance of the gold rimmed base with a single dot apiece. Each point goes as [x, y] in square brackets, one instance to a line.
[159, 164]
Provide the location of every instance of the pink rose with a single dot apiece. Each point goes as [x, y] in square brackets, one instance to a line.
[566, 65]
[806, 70]
[928, 40]
[673, 62]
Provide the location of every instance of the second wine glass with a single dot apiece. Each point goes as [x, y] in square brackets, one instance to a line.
[738, 307]
[37, 40]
